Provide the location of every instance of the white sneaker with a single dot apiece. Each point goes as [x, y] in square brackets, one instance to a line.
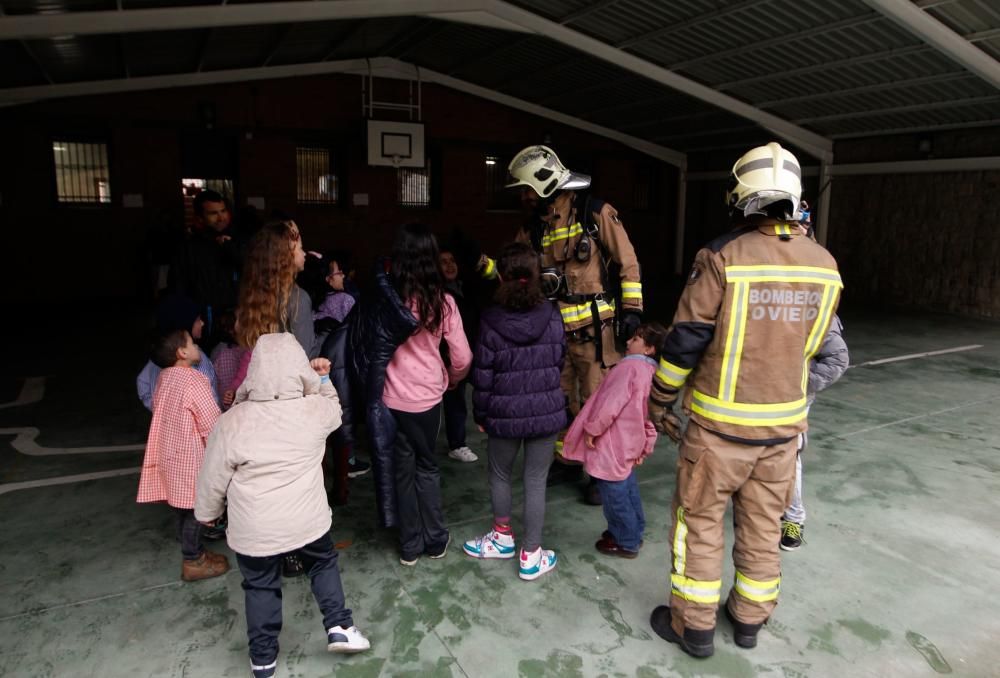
[493, 544]
[346, 641]
[534, 565]
[463, 454]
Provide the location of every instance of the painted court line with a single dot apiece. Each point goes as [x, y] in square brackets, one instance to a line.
[32, 391]
[915, 417]
[913, 356]
[24, 442]
[66, 480]
[76, 603]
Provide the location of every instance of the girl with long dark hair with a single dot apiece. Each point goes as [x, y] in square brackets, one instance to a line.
[415, 382]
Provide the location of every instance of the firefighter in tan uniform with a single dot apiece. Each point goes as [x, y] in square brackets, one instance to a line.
[755, 310]
[579, 238]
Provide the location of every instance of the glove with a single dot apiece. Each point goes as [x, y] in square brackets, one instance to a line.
[629, 324]
[665, 420]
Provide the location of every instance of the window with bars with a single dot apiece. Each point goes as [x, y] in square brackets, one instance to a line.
[317, 182]
[413, 185]
[81, 170]
[498, 197]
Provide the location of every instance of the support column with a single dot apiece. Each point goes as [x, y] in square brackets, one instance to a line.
[681, 221]
[823, 213]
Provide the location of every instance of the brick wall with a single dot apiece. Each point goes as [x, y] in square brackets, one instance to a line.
[104, 250]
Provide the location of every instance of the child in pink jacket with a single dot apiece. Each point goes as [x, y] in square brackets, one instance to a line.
[612, 435]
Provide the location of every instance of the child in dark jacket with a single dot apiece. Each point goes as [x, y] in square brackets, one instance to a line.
[517, 400]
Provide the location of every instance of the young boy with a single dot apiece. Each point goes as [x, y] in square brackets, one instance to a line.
[184, 412]
[175, 313]
[612, 435]
[266, 457]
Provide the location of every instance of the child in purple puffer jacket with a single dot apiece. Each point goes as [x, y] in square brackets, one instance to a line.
[517, 400]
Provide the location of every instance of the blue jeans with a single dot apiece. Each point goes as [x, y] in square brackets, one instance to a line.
[623, 510]
[262, 587]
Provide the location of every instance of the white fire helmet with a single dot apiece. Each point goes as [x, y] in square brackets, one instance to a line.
[539, 167]
[763, 177]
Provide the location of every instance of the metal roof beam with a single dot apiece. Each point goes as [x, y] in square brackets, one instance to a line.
[807, 140]
[383, 67]
[943, 39]
[27, 26]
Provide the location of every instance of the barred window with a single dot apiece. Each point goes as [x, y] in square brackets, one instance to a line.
[317, 182]
[81, 172]
[498, 197]
[413, 185]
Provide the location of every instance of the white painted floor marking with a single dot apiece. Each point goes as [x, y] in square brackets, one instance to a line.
[913, 356]
[65, 480]
[32, 391]
[24, 442]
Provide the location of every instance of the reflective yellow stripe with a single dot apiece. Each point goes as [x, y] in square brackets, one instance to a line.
[707, 592]
[559, 448]
[815, 340]
[782, 229]
[490, 270]
[562, 233]
[576, 313]
[680, 543]
[790, 274]
[748, 414]
[757, 591]
[734, 342]
[631, 290]
[671, 374]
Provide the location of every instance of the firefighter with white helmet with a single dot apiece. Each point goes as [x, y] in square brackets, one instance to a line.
[588, 266]
[757, 305]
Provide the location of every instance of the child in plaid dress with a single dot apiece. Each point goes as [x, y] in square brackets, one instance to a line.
[184, 413]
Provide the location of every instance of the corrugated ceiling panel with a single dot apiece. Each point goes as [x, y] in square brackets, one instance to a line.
[163, 52]
[237, 47]
[73, 58]
[55, 6]
[19, 70]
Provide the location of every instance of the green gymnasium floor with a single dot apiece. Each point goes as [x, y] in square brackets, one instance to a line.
[899, 577]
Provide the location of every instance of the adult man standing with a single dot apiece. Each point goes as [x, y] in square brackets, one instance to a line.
[206, 267]
[755, 310]
[579, 238]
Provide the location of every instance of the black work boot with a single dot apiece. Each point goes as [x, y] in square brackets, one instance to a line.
[697, 643]
[744, 634]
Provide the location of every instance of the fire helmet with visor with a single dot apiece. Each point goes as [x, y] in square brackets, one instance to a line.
[539, 168]
[766, 180]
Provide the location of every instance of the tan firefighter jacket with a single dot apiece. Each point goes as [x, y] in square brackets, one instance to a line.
[755, 310]
[584, 289]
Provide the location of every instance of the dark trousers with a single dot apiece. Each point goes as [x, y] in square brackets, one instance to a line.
[623, 510]
[418, 483]
[456, 413]
[188, 533]
[262, 587]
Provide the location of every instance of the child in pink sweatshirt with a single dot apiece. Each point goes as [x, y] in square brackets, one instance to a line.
[415, 382]
[612, 435]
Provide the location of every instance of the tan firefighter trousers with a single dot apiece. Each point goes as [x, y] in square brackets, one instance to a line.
[760, 480]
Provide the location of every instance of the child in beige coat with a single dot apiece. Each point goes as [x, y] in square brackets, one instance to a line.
[265, 457]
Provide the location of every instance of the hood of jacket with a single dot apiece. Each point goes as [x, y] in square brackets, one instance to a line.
[519, 327]
[279, 370]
